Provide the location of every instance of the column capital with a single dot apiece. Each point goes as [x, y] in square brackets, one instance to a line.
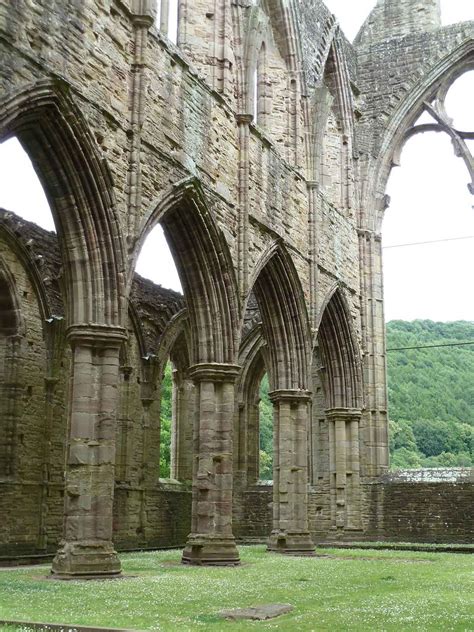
[92, 334]
[290, 395]
[244, 119]
[214, 372]
[348, 414]
[143, 12]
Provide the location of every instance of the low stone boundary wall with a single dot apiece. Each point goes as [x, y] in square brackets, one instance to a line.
[427, 506]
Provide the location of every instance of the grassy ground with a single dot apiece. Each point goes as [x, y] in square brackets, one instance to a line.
[343, 590]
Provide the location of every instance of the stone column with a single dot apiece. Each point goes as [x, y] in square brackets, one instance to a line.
[86, 548]
[182, 427]
[290, 473]
[344, 467]
[211, 540]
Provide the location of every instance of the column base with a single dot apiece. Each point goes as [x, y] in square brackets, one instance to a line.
[86, 560]
[206, 550]
[289, 543]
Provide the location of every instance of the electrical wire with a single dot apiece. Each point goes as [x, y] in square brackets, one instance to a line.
[423, 243]
[452, 344]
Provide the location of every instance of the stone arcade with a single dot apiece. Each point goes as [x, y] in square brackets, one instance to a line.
[262, 143]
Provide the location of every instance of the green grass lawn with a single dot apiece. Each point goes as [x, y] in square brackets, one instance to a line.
[347, 590]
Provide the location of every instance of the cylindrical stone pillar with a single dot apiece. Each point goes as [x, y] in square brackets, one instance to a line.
[86, 549]
[290, 532]
[211, 540]
[344, 468]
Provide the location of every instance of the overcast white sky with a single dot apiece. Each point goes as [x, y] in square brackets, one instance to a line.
[429, 195]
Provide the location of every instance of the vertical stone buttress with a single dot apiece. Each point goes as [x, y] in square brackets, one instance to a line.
[143, 18]
[374, 424]
[290, 532]
[244, 121]
[86, 548]
[211, 540]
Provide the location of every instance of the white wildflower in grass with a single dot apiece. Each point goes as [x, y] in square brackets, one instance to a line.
[345, 590]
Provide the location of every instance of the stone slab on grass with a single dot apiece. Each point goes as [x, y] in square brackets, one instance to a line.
[257, 613]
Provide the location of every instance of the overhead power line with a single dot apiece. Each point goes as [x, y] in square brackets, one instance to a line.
[423, 243]
[452, 344]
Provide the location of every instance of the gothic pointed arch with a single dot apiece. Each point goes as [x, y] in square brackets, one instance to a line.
[78, 185]
[339, 354]
[205, 269]
[253, 360]
[284, 319]
[332, 102]
[437, 80]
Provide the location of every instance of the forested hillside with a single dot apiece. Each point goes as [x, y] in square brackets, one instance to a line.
[431, 399]
[431, 394]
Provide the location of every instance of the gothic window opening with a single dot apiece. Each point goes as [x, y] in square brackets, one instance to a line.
[265, 432]
[428, 236]
[168, 12]
[157, 299]
[167, 412]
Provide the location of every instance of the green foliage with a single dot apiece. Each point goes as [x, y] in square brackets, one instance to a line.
[266, 466]
[431, 394]
[266, 432]
[165, 421]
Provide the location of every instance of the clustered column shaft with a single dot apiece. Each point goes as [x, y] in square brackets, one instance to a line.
[86, 547]
[290, 479]
[344, 465]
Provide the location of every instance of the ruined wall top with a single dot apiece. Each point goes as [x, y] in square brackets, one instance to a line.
[398, 18]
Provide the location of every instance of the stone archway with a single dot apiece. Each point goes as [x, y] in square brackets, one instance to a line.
[54, 134]
[336, 434]
[207, 276]
[286, 330]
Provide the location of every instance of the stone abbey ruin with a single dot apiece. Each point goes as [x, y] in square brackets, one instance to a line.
[262, 143]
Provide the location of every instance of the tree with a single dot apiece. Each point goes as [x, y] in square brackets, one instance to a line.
[431, 394]
[266, 432]
[165, 421]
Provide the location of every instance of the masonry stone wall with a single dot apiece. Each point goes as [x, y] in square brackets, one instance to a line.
[429, 506]
[262, 142]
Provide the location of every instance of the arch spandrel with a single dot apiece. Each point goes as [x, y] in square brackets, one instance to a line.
[77, 184]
